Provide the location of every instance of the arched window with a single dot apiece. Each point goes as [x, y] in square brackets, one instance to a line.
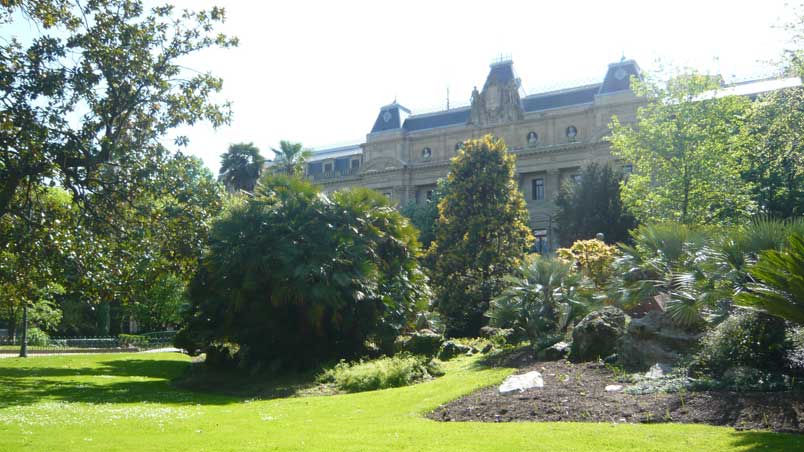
[533, 137]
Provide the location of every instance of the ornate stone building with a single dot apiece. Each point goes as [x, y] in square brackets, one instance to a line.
[553, 135]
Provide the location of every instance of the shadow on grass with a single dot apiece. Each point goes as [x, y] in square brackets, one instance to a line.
[146, 380]
[767, 441]
[516, 357]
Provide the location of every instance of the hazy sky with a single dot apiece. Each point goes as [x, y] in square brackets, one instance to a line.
[318, 72]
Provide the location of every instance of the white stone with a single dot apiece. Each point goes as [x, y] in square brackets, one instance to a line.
[614, 388]
[522, 382]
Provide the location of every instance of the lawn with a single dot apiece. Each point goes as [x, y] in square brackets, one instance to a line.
[126, 402]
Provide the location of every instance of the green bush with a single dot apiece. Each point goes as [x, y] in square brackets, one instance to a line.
[38, 338]
[300, 278]
[132, 340]
[748, 339]
[401, 370]
[222, 356]
[425, 343]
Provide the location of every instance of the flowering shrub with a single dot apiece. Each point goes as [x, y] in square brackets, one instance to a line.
[592, 257]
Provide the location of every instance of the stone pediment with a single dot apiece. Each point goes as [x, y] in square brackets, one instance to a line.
[383, 164]
[499, 102]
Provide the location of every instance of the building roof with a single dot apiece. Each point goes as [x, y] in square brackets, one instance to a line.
[562, 98]
[333, 153]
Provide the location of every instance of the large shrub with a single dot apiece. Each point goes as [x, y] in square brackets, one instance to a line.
[545, 296]
[481, 236]
[295, 277]
[746, 339]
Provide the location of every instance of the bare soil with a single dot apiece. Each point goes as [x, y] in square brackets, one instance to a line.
[576, 393]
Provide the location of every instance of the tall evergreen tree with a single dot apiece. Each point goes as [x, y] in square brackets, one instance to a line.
[593, 205]
[482, 233]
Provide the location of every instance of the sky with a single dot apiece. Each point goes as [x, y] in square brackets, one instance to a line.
[317, 72]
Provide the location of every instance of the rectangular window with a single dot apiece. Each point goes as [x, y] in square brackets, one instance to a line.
[540, 244]
[537, 188]
[355, 164]
[328, 167]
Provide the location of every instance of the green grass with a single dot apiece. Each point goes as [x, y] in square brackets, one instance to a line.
[126, 402]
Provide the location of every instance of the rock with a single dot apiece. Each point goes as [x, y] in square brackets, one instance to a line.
[486, 349]
[658, 370]
[654, 339]
[522, 382]
[451, 349]
[424, 342]
[597, 334]
[554, 352]
[614, 388]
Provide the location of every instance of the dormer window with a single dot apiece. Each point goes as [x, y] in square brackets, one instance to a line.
[327, 167]
[532, 137]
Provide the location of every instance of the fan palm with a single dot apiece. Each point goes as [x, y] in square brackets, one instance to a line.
[241, 166]
[779, 286]
[290, 157]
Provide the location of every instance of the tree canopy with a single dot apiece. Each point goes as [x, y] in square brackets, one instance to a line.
[290, 157]
[241, 166]
[686, 149]
[593, 205]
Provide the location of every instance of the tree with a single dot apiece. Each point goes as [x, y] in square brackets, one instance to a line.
[33, 252]
[686, 151]
[775, 153]
[593, 206]
[87, 103]
[482, 234]
[290, 157]
[294, 277]
[241, 166]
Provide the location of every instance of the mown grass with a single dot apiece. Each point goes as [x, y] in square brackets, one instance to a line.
[126, 402]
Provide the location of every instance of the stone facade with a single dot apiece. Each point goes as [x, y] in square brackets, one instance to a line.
[553, 135]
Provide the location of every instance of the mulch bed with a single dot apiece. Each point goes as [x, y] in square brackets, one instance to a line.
[576, 393]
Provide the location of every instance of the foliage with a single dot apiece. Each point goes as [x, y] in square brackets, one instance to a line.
[779, 282]
[296, 278]
[241, 166]
[592, 257]
[542, 301]
[481, 236]
[747, 339]
[775, 144]
[114, 66]
[38, 338]
[686, 148]
[382, 373]
[133, 340]
[425, 215]
[290, 158]
[593, 206]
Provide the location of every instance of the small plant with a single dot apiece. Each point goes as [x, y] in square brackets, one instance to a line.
[382, 373]
[38, 338]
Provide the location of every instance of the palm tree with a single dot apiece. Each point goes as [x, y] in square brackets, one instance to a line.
[241, 166]
[290, 157]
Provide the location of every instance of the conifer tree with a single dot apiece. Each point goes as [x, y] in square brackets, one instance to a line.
[481, 236]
